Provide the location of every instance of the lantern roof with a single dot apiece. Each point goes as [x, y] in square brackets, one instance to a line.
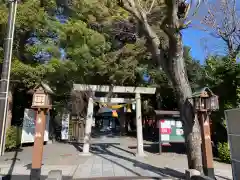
[45, 87]
[203, 92]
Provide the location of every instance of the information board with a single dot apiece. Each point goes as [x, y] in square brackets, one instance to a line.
[28, 129]
[233, 130]
[171, 131]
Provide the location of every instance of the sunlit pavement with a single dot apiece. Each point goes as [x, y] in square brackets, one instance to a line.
[111, 156]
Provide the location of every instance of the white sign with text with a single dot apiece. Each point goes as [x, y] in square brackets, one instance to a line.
[28, 129]
[65, 126]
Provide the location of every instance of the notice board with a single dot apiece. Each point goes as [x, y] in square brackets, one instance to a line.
[171, 131]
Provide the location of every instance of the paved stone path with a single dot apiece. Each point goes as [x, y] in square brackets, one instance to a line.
[110, 160]
[111, 156]
[118, 159]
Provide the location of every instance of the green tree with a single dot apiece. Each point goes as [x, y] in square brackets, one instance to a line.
[222, 76]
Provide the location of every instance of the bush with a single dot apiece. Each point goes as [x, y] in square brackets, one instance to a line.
[13, 138]
[224, 152]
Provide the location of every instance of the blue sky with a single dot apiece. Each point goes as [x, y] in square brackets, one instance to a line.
[192, 38]
[200, 41]
[202, 44]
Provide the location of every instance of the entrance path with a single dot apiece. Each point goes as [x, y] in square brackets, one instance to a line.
[116, 157]
[111, 156]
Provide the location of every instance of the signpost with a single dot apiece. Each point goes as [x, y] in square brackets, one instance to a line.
[42, 104]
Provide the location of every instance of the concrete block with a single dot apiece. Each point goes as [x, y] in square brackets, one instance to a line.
[191, 172]
[55, 175]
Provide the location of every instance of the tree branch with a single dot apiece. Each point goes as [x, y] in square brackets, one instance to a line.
[174, 16]
[227, 26]
[129, 5]
[151, 7]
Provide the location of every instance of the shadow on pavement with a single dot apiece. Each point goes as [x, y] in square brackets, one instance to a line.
[102, 149]
[15, 157]
[27, 177]
[96, 133]
[154, 148]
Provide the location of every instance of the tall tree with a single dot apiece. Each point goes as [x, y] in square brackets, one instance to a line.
[171, 18]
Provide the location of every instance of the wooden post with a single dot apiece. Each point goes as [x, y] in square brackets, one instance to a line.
[206, 145]
[42, 103]
[38, 144]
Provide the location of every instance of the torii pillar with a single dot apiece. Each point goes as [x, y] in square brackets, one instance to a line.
[140, 151]
[88, 128]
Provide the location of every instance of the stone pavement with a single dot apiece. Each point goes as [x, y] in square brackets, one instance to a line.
[111, 156]
[110, 160]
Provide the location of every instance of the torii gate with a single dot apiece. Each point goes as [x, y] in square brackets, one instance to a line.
[115, 89]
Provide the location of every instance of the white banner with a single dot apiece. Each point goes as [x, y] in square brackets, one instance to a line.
[28, 129]
[65, 126]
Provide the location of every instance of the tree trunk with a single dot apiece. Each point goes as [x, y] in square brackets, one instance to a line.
[180, 82]
[174, 67]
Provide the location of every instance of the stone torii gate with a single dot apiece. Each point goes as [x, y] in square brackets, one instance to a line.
[114, 89]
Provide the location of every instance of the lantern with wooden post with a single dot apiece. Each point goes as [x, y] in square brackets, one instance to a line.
[204, 103]
[41, 103]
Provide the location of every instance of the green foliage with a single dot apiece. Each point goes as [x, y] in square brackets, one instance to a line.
[90, 43]
[221, 76]
[195, 71]
[94, 57]
[29, 75]
[224, 152]
[13, 138]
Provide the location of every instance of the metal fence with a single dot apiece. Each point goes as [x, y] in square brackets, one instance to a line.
[233, 128]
